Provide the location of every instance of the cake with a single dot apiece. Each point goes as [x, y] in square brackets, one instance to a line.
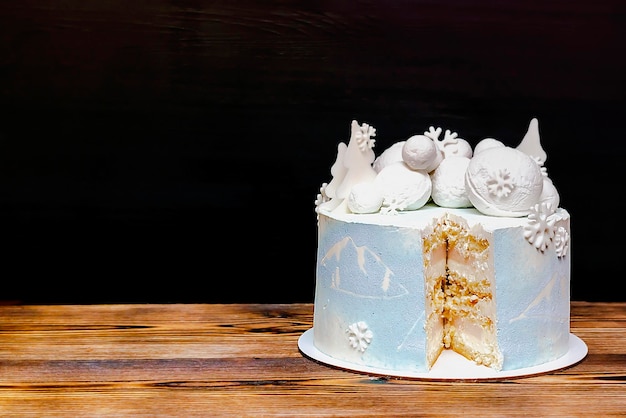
[436, 245]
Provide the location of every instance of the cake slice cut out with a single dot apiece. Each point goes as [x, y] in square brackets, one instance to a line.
[460, 306]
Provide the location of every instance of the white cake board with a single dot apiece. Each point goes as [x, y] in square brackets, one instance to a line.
[451, 365]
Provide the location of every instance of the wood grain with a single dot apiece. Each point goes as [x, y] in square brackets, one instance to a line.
[243, 360]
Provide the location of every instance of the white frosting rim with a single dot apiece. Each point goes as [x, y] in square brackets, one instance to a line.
[420, 217]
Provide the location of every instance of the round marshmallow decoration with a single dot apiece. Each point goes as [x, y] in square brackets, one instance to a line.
[404, 188]
[487, 143]
[503, 181]
[421, 153]
[365, 198]
[455, 147]
[448, 183]
[391, 155]
[549, 194]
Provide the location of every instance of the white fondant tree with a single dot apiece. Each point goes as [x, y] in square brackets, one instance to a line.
[338, 170]
[531, 143]
[353, 164]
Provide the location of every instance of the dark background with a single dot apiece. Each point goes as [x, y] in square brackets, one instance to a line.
[171, 151]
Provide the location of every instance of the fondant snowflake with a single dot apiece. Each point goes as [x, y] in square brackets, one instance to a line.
[561, 241]
[363, 137]
[359, 336]
[392, 205]
[500, 184]
[540, 229]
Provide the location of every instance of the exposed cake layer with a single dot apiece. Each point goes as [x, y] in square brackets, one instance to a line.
[435, 277]
[463, 293]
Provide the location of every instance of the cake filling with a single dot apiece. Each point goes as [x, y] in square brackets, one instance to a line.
[459, 292]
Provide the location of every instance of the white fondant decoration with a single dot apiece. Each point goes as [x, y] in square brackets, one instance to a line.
[338, 170]
[541, 226]
[359, 336]
[503, 181]
[531, 143]
[365, 198]
[549, 194]
[452, 146]
[421, 153]
[403, 188]
[391, 155]
[448, 183]
[487, 143]
[358, 158]
[561, 241]
[330, 205]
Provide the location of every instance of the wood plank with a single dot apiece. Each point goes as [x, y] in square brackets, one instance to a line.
[243, 360]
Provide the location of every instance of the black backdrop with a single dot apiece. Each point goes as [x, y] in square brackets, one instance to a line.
[161, 151]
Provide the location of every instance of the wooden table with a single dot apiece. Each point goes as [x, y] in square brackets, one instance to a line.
[243, 360]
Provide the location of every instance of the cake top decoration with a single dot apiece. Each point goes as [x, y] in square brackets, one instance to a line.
[496, 179]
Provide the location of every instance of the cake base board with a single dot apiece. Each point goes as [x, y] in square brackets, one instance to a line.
[451, 365]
